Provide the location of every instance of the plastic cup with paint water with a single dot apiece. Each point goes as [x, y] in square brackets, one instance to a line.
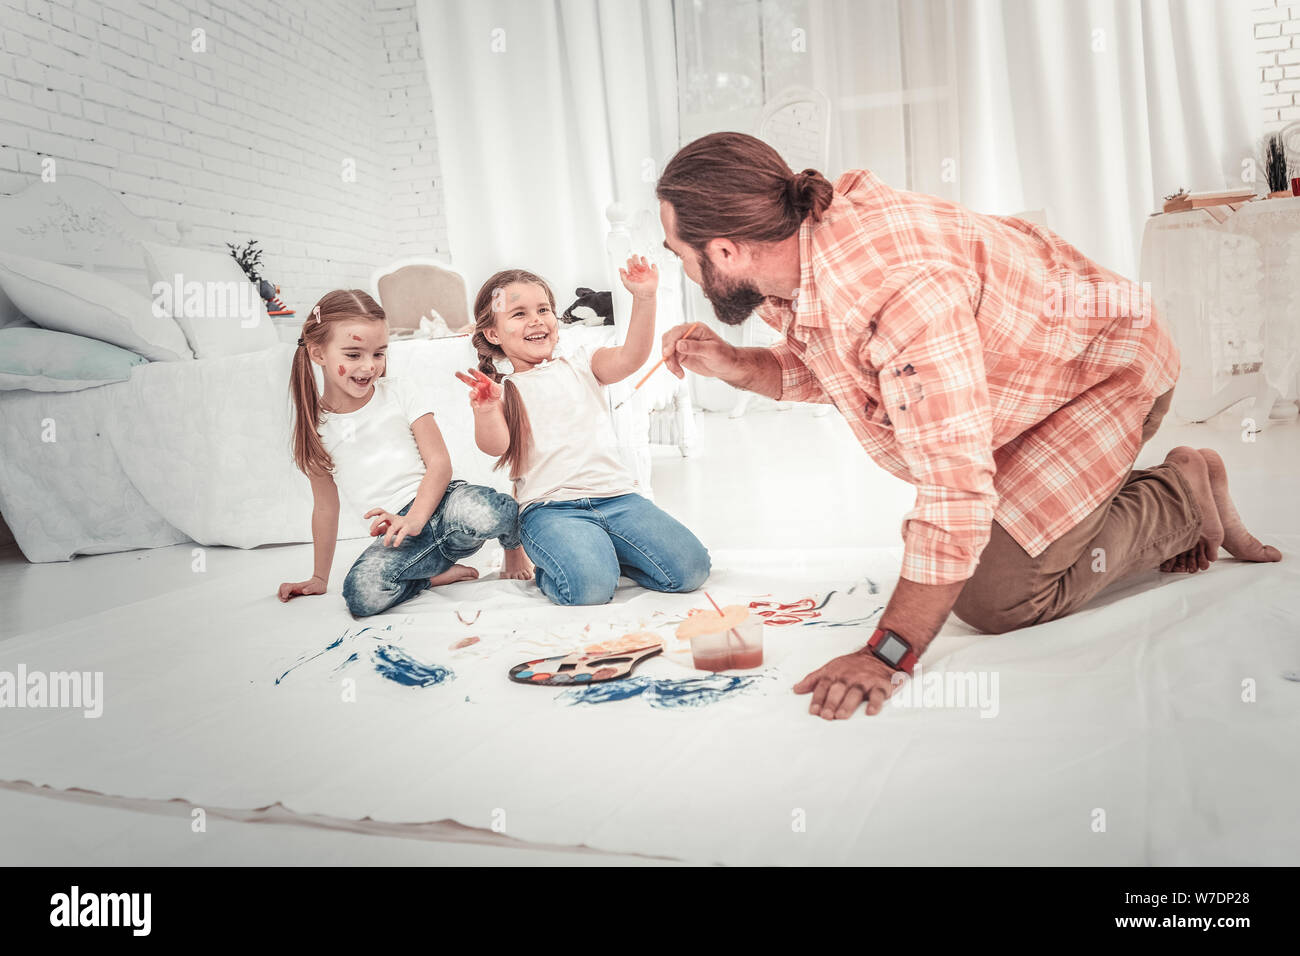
[732, 640]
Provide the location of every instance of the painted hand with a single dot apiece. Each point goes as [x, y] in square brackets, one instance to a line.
[484, 393]
[394, 528]
[641, 277]
[840, 685]
[290, 589]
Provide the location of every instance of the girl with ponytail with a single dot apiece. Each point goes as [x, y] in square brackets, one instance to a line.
[581, 520]
[375, 438]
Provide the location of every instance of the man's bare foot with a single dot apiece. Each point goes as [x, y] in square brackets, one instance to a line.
[517, 566]
[1192, 466]
[457, 572]
[1237, 541]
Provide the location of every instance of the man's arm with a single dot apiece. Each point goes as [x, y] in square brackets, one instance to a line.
[777, 372]
[934, 387]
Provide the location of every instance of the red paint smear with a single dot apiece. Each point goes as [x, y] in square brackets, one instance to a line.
[464, 642]
[341, 370]
[356, 338]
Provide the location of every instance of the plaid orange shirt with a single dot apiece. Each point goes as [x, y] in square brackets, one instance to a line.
[981, 358]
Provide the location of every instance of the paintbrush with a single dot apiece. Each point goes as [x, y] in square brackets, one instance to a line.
[731, 632]
[645, 378]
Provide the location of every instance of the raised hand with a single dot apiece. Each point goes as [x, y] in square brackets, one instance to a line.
[484, 393]
[641, 277]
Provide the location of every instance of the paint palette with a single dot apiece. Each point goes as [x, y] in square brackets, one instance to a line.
[583, 667]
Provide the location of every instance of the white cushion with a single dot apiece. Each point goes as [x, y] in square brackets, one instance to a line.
[211, 299]
[43, 361]
[65, 299]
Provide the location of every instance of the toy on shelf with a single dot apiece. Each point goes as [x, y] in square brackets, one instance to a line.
[249, 258]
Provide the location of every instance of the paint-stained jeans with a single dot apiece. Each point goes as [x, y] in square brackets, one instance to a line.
[579, 548]
[467, 516]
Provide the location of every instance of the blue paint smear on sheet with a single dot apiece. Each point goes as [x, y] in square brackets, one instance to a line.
[335, 645]
[398, 666]
[303, 660]
[663, 693]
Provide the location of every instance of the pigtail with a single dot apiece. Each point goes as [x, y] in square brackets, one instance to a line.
[512, 407]
[309, 452]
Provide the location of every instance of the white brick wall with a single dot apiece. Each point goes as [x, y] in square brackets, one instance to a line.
[247, 139]
[1277, 55]
[416, 216]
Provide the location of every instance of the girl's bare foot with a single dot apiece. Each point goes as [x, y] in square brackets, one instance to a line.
[1237, 541]
[1192, 466]
[517, 566]
[457, 572]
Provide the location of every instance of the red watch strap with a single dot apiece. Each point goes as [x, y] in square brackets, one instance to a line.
[907, 662]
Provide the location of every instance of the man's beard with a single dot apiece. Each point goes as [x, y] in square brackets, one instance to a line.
[733, 300]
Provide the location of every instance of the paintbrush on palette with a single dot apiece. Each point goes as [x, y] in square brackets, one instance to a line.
[595, 665]
[645, 378]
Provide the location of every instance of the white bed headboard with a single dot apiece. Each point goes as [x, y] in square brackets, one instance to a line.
[79, 223]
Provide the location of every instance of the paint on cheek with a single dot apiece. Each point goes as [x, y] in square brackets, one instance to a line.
[341, 371]
[356, 338]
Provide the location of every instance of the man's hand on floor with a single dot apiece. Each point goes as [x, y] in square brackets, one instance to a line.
[841, 685]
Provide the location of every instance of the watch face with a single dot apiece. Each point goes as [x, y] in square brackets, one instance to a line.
[891, 649]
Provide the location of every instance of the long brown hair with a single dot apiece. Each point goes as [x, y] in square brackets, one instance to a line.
[521, 433]
[735, 186]
[309, 452]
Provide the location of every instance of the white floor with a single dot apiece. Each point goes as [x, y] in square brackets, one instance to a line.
[770, 480]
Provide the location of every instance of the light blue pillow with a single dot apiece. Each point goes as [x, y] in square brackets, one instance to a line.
[46, 361]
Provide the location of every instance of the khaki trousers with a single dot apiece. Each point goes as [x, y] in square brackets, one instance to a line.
[1153, 516]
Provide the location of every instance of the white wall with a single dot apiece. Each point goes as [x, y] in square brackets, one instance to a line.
[245, 139]
[1277, 49]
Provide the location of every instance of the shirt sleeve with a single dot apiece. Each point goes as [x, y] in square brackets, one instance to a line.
[934, 387]
[415, 400]
[798, 383]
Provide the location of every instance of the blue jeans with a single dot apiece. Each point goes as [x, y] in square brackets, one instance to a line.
[467, 516]
[578, 548]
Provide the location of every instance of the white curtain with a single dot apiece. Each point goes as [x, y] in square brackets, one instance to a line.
[547, 111]
[1091, 110]
[1097, 109]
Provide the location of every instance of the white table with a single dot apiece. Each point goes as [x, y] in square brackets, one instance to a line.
[1228, 283]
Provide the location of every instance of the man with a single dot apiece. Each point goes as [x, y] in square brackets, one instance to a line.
[981, 358]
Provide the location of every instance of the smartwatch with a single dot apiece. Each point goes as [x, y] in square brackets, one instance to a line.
[893, 649]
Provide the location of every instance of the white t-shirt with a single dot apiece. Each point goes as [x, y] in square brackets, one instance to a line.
[376, 461]
[574, 452]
